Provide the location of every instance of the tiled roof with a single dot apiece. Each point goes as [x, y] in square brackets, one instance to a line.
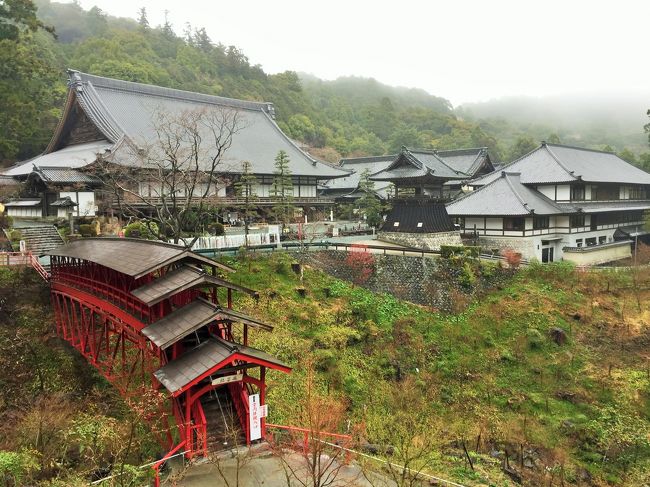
[129, 256]
[191, 317]
[180, 323]
[207, 356]
[71, 157]
[23, 202]
[505, 195]
[64, 175]
[125, 109]
[417, 164]
[552, 163]
[465, 160]
[177, 280]
[604, 206]
[358, 165]
[418, 216]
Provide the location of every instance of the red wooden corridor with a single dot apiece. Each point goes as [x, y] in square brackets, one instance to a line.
[156, 320]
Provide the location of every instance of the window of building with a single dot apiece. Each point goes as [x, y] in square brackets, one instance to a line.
[515, 224]
[579, 242]
[540, 222]
[578, 192]
[590, 241]
[577, 221]
[637, 193]
[602, 240]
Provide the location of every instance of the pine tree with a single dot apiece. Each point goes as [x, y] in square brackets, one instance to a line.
[245, 190]
[143, 21]
[282, 190]
[167, 30]
[369, 205]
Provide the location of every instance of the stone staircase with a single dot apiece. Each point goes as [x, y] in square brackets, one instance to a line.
[40, 238]
[223, 427]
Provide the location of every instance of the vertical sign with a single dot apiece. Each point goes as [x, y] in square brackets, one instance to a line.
[255, 426]
[23, 246]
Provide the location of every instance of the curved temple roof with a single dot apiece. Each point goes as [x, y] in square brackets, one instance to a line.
[133, 257]
[210, 356]
[554, 163]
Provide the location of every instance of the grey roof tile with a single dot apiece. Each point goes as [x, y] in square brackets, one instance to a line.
[179, 279]
[505, 195]
[189, 318]
[122, 108]
[551, 163]
[73, 156]
[416, 164]
[133, 257]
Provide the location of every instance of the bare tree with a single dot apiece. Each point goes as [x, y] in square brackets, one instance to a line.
[406, 439]
[169, 178]
[318, 460]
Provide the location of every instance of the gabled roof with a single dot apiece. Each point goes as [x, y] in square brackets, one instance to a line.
[209, 357]
[505, 196]
[189, 318]
[554, 163]
[358, 165]
[412, 164]
[417, 216]
[22, 202]
[466, 160]
[177, 280]
[130, 256]
[127, 110]
[63, 175]
[71, 157]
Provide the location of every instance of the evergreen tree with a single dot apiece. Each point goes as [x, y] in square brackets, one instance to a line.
[369, 205]
[167, 30]
[143, 21]
[245, 190]
[282, 190]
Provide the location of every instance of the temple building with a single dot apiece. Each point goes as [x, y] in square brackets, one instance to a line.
[558, 203]
[424, 180]
[347, 188]
[115, 121]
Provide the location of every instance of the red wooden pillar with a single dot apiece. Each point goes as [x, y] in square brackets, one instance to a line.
[263, 399]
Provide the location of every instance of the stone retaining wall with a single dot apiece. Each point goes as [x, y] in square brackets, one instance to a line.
[426, 241]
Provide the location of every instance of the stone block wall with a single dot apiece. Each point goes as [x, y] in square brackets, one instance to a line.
[525, 246]
[426, 241]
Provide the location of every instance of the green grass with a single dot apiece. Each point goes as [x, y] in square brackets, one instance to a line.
[491, 369]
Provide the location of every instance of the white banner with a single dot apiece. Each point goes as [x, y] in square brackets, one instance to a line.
[254, 411]
[225, 379]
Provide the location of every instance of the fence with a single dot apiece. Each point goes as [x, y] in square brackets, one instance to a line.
[23, 259]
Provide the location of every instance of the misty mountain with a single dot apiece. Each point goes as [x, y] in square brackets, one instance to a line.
[586, 120]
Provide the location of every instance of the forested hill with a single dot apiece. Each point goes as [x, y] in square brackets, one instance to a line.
[579, 119]
[347, 117]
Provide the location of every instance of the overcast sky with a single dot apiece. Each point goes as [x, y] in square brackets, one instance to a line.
[463, 50]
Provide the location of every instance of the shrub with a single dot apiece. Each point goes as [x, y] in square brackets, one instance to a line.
[87, 230]
[6, 221]
[467, 278]
[448, 251]
[216, 229]
[512, 258]
[15, 235]
[16, 467]
[142, 229]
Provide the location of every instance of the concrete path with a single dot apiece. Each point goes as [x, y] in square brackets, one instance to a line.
[258, 468]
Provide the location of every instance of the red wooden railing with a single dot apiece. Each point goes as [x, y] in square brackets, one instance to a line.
[316, 435]
[23, 258]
